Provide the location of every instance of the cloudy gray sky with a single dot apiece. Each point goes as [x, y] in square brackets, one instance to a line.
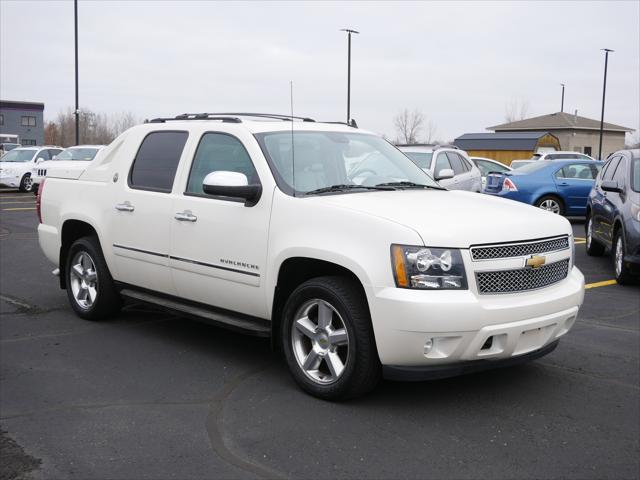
[458, 62]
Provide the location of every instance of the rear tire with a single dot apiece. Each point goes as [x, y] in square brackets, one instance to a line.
[328, 340]
[90, 287]
[551, 203]
[623, 275]
[594, 248]
[26, 184]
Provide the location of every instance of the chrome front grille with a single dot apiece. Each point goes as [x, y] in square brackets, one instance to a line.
[518, 249]
[522, 279]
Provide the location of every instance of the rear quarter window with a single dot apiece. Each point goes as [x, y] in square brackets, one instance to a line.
[156, 162]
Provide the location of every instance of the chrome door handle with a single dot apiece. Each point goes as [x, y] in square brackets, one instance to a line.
[185, 216]
[125, 207]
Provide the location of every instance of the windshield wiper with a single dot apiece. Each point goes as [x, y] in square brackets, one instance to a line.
[347, 186]
[406, 184]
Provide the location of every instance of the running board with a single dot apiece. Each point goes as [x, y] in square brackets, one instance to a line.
[226, 319]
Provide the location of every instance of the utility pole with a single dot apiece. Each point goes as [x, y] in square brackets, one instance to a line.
[77, 112]
[562, 101]
[604, 91]
[349, 32]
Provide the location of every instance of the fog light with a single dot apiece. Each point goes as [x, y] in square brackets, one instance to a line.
[428, 345]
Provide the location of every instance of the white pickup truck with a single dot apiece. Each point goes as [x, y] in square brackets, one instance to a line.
[255, 222]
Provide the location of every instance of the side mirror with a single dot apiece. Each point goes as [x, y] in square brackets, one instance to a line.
[40, 159]
[232, 184]
[54, 157]
[444, 174]
[610, 186]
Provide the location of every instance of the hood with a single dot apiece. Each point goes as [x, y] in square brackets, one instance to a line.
[455, 218]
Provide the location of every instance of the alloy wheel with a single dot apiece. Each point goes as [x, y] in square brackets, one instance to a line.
[320, 341]
[619, 256]
[589, 227]
[551, 206]
[83, 280]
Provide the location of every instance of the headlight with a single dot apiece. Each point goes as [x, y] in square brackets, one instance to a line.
[428, 268]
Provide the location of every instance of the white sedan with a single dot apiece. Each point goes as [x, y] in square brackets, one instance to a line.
[16, 165]
[73, 158]
[487, 165]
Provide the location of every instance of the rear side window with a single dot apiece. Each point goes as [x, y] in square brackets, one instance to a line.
[219, 152]
[155, 165]
[578, 171]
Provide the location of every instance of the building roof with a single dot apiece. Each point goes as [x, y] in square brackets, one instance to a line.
[15, 105]
[500, 140]
[559, 121]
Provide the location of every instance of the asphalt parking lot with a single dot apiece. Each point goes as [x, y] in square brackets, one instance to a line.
[152, 395]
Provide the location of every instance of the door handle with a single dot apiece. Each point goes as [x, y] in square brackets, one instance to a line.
[125, 207]
[185, 216]
[563, 184]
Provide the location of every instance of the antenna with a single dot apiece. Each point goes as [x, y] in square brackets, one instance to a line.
[293, 153]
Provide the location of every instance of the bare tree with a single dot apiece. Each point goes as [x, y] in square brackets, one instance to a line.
[431, 131]
[95, 128]
[515, 110]
[408, 125]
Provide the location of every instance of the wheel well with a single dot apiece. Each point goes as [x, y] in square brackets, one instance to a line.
[295, 271]
[72, 230]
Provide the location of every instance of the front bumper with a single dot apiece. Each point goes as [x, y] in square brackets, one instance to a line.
[417, 374]
[460, 323]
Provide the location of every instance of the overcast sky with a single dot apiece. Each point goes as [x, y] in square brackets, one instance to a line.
[458, 62]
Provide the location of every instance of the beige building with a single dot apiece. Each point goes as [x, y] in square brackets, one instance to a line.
[578, 134]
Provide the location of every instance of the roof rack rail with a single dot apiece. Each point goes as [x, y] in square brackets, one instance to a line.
[196, 116]
[352, 123]
[437, 145]
[275, 116]
[228, 117]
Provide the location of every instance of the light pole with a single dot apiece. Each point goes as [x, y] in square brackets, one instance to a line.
[562, 101]
[77, 112]
[349, 32]
[604, 91]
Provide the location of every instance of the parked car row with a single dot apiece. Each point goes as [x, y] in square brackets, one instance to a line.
[25, 167]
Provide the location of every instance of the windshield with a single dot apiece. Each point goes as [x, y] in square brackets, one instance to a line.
[9, 146]
[326, 159]
[85, 154]
[487, 167]
[18, 156]
[635, 175]
[422, 159]
[533, 167]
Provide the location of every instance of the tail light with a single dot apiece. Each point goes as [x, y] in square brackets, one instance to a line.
[39, 200]
[509, 186]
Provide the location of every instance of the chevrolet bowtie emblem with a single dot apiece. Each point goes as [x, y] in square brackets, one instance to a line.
[535, 261]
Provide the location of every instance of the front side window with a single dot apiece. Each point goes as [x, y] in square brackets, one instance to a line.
[312, 160]
[18, 156]
[44, 155]
[219, 152]
[80, 154]
[28, 121]
[610, 168]
[442, 163]
[579, 171]
[156, 162]
[621, 173]
[456, 162]
[635, 175]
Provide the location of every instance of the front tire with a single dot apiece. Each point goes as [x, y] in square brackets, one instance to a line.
[594, 248]
[328, 340]
[90, 287]
[26, 184]
[623, 275]
[551, 203]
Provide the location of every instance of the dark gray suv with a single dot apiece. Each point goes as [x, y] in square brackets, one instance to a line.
[613, 214]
